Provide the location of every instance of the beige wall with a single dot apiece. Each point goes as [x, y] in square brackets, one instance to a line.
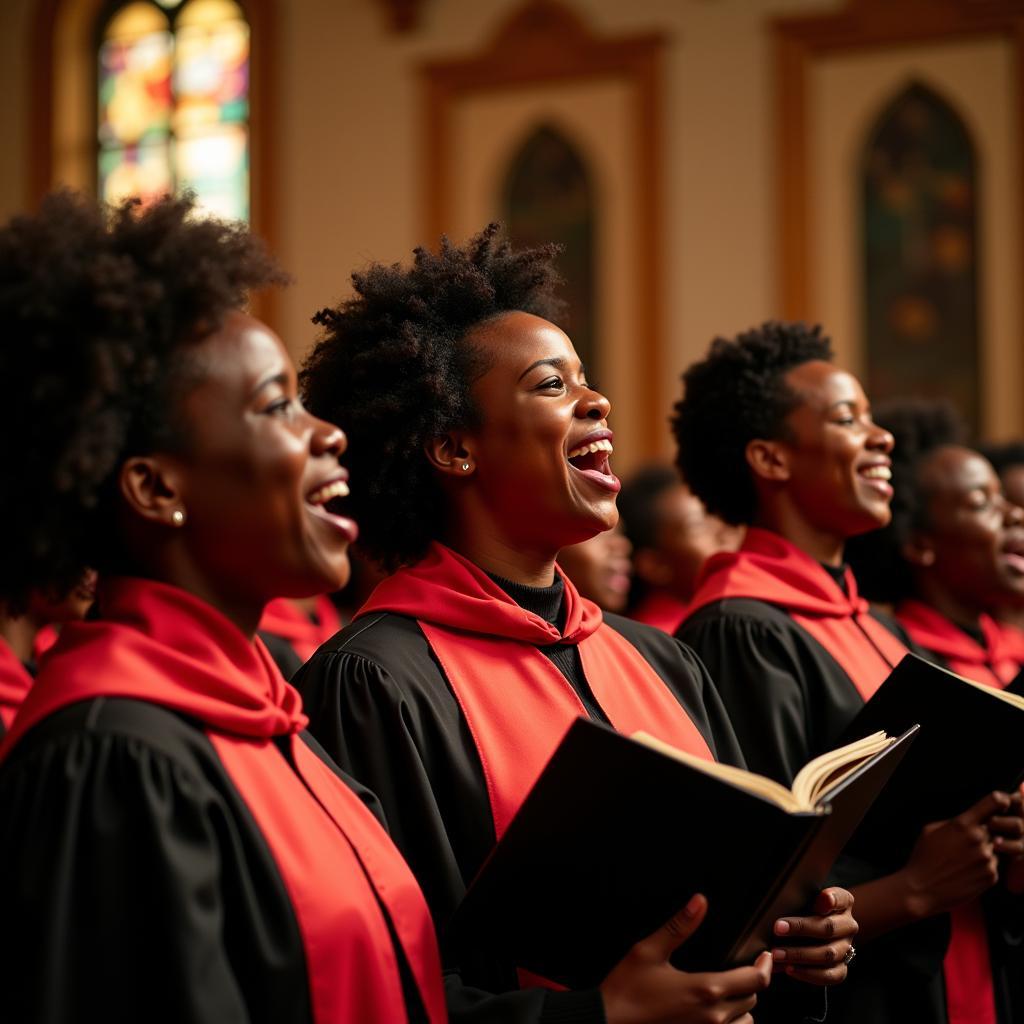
[348, 154]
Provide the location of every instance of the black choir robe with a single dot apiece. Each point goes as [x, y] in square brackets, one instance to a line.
[127, 812]
[153, 875]
[789, 700]
[380, 704]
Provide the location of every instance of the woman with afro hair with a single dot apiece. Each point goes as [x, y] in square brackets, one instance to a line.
[772, 436]
[174, 845]
[479, 451]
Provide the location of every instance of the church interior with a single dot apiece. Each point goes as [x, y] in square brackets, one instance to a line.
[707, 164]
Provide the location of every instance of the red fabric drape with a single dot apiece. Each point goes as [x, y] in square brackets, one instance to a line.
[159, 644]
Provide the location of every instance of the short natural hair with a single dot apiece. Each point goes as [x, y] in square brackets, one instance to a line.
[395, 365]
[733, 396]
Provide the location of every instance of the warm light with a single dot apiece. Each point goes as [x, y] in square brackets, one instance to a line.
[136, 20]
[208, 13]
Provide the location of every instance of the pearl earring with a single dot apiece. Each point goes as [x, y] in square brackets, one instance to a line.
[178, 517]
[465, 467]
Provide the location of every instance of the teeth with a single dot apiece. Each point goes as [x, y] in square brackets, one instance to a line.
[878, 473]
[596, 446]
[338, 489]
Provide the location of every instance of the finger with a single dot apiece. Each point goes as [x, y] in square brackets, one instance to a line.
[833, 901]
[818, 976]
[1008, 847]
[825, 929]
[994, 803]
[676, 930]
[1010, 826]
[738, 983]
[829, 955]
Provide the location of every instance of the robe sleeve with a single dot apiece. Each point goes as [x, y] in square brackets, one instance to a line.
[112, 909]
[761, 683]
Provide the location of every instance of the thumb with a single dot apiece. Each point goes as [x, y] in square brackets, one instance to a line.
[985, 808]
[677, 929]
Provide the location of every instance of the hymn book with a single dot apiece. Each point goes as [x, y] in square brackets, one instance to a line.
[618, 833]
[971, 743]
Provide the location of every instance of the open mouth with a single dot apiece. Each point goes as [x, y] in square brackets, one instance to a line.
[328, 493]
[591, 459]
[878, 475]
[326, 503]
[1012, 555]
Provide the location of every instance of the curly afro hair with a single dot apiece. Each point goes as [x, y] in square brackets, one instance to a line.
[395, 366]
[1004, 456]
[733, 396]
[98, 307]
[919, 427]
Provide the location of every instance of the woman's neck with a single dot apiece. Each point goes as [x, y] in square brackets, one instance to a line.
[933, 593]
[20, 635]
[530, 568]
[822, 545]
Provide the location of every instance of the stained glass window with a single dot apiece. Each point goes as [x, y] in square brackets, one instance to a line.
[920, 273]
[173, 103]
[549, 197]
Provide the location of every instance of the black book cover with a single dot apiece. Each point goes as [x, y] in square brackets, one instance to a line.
[615, 837]
[971, 742]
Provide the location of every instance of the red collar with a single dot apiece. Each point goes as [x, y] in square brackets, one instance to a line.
[284, 618]
[934, 632]
[15, 683]
[769, 568]
[446, 589]
[660, 609]
[161, 644]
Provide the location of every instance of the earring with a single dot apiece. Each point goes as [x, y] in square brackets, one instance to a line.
[178, 517]
[465, 467]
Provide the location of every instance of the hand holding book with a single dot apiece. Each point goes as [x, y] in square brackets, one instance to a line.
[831, 929]
[645, 988]
[954, 861]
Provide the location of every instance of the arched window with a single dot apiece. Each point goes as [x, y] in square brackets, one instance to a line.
[548, 197]
[920, 253]
[173, 102]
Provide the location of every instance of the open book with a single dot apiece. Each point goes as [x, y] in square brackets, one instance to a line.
[618, 833]
[812, 785]
[972, 742]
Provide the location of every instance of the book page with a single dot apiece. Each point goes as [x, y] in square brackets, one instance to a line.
[813, 781]
[759, 785]
[826, 771]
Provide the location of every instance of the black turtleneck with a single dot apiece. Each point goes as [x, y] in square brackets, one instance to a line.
[549, 604]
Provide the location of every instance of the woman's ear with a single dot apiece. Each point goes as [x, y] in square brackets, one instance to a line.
[650, 567]
[151, 485]
[768, 459]
[919, 551]
[450, 454]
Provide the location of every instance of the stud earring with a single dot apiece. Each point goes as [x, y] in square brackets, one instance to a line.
[465, 467]
[178, 517]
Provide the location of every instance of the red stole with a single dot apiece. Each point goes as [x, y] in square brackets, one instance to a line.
[967, 964]
[661, 610]
[284, 618]
[769, 568]
[45, 639]
[15, 682]
[995, 664]
[516, 703]
[160, 644]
